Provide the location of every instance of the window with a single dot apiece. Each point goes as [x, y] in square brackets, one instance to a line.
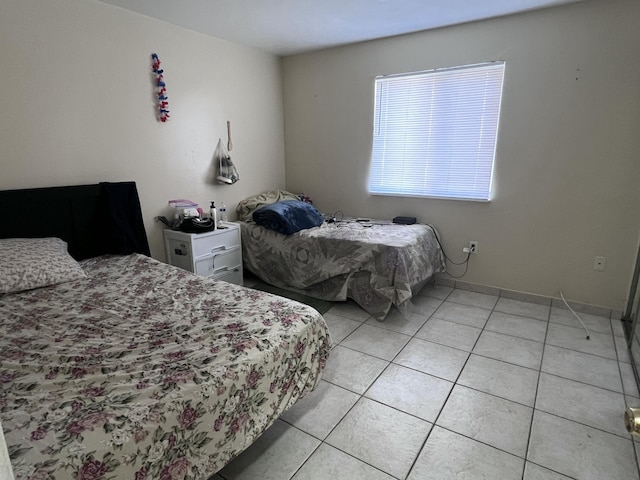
[434, 133]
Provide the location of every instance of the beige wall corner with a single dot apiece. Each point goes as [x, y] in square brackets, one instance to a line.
[567, 171]
[78, 106]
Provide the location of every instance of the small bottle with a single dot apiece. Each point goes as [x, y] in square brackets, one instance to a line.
[223, 213]
[214, 217]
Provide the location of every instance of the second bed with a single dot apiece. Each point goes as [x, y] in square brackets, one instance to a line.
[378, 264]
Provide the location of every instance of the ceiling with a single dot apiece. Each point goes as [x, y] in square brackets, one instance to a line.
[287, 27]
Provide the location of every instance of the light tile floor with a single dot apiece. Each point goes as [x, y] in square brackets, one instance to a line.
[470, 386]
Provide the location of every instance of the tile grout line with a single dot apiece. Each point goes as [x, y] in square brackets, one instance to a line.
[391, 362]
[433, 424]
[540, 371]
[612, 333]
[415, 460]
[483, 329]
[361, 396]
[452, 388]
[535, 397]
[323, 442]
[470, 352]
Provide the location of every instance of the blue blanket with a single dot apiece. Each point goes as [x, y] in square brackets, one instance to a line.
[288, 216]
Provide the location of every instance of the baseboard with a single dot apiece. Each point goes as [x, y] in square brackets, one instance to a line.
[598, 310]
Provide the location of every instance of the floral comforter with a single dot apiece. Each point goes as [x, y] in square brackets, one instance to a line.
[144, 371]
[378, 264]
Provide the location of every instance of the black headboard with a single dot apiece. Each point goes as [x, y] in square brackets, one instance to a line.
[93, 219]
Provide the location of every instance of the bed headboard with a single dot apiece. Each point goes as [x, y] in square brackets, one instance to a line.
[93, 219]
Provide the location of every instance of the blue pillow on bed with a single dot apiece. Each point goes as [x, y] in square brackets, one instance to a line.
[288, 216]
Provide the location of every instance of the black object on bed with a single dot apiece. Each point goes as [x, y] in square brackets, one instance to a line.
[93, 219]
[288, 216]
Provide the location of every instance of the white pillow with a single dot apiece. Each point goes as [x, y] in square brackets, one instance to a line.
[27, 263]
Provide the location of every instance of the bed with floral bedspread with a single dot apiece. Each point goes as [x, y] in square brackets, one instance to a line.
[378, 264]
[144, 371]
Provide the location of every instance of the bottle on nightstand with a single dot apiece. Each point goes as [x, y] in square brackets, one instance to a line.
[214, 215]
[223, 213]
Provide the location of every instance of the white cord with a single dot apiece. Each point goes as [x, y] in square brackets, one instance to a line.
[576, 315]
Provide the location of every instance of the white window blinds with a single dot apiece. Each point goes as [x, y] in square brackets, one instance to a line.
[434, 133]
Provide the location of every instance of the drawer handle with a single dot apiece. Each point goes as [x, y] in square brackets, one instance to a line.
[223, 249]
[225, 269]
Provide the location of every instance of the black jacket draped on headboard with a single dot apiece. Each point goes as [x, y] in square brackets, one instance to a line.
[124, 228]
[93, 219]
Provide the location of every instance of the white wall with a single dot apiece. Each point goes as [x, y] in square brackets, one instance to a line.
[77, 106]
[567, 173]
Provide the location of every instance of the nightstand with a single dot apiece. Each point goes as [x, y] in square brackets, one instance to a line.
[216, 254]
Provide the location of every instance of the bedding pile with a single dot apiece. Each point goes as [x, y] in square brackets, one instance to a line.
[288, 216]
[144, 371]
[249, 205]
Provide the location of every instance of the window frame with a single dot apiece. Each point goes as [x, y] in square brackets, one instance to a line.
[444, 100]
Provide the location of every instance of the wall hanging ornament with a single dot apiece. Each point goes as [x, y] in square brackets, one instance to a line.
[161, 87]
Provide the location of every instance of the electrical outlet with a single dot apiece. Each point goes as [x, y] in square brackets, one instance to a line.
[472, 248]
[599, 263]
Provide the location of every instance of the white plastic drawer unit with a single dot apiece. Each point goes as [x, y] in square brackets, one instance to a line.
[216, 254]
[219, 263]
